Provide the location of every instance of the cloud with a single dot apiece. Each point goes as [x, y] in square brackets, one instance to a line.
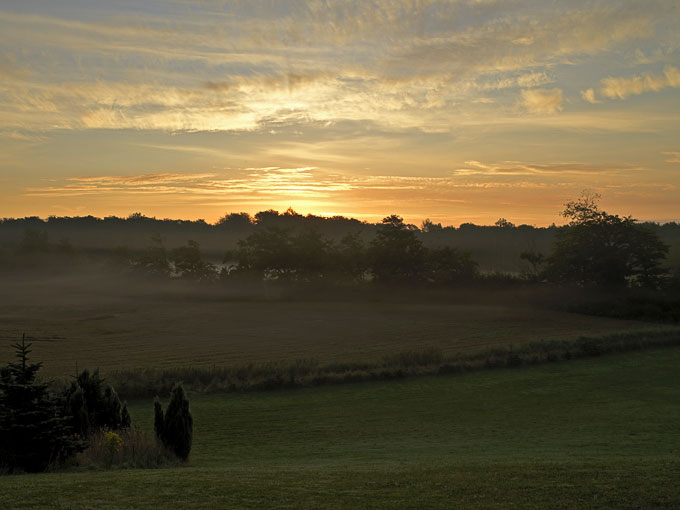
[588, 95]
[621, 88]
[542, 100]
[238, 65]
[674, 157]
[537, 169]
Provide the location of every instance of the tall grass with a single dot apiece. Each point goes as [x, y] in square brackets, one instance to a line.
[307, 372]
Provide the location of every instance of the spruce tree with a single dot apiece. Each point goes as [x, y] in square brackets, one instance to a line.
[34, 431]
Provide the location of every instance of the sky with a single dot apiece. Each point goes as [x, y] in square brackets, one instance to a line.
[458, 111]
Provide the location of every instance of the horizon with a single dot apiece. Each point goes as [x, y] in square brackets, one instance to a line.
[458, 111]
[372, 220]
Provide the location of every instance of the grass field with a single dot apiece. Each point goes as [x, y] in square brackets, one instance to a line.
[594, 433]
[115, 330]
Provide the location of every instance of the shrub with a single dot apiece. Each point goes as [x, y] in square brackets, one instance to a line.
[127, 448]
[175, 427]
[91, 405]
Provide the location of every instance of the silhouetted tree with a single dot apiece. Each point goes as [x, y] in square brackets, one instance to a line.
[175, 427]
[154, 260]
[428, 226]
[503, 223]
[92, 405]
[266, 253]
[158, 419]
[111, 418]
[536, 262]
[189, 263]
[76, 409]
[33, 430]
[351, 258]
[396, 253]
[604, 249]
[311, 256]
[448, 266]
[125, 419]
[239, 221]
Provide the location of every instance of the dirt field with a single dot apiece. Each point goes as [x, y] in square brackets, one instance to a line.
[97, 327]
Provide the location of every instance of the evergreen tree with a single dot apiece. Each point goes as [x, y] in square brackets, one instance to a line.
[91, 406]
[112, 407]
[125, 420]
[93, 391]
[158, 420]
[175, 428]
[34, 431]
[76, 409]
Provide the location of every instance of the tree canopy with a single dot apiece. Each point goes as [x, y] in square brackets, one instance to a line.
[597, 248]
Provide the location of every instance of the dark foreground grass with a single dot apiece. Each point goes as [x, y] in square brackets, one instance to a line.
[591, 433]
[620, 485]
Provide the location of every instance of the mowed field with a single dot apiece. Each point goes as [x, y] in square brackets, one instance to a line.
[116, 330]
[592, 433]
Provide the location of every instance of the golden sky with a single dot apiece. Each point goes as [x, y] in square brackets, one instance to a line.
[459, 110]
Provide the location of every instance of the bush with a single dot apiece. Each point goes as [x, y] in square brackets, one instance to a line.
[127, 448]
[175, 427]
[92, 405]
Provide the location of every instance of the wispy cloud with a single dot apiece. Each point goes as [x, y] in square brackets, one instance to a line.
[621, 88]
[542, 100]
[673, 157]
[538, 169]
[229, 66]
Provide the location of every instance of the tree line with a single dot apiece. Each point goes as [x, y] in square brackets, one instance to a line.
[594, 248]
[494, 247]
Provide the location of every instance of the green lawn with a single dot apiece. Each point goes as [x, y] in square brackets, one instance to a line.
[593, 433]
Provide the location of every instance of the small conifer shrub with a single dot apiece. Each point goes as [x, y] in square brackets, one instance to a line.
[174, 428]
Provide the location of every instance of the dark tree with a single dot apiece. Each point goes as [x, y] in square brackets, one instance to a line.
[396, 253]
[76, 409]
[158, 420]
[266, 253]
[92, 405]
[125, 420]
[598, 248]
[237, 221]
[311, 254]
[154, 261]
[34, 432]
[503, 223]
[536, 262]
[448, 266]
[112, 408]
[93, 391]
[189, 263]
[351, 258]
[175, 428]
